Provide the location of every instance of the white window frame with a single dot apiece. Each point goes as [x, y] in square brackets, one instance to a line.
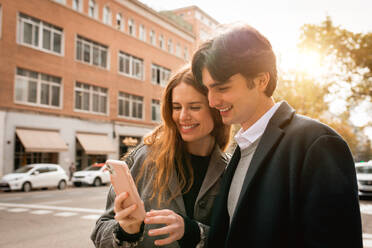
[131, 27]
[178, 50]
[93, 9]
[126, 98]
[106, 15]
[119, 22]
[142, 32]
[152, 37]
[159, 75]
[77, 5]
[22, 84]
[37, 34]
[170, 45]
[94, 47]
[155, 106]
[161, 42]
[186, 53]
[133, 62]
[91, 91]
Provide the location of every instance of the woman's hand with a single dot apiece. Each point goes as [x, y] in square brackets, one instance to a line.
[175, 226]
[123, 216]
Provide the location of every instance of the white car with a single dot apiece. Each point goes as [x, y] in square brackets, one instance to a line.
[34, 176]
[364, 176]
[95, 175]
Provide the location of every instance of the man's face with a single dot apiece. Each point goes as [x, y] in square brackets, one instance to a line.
[236, 103]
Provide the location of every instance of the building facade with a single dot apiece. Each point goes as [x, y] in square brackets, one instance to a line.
[203, 25]
[81, 80]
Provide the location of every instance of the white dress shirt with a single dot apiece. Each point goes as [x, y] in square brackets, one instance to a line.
[247, 137]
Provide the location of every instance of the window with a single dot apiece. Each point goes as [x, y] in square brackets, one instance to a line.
[131, 27]
[170, 46]
[91, 52]
[178, 50]
[119, 22]
[130, 65]
[37, 89]
[40, 35]
[92, 10]
[130, 106]
[90, 98]
[152, 37]
[161, 41]
[159, 75]
[142, 33]
[107, 15]
[186, 54]
[155, 110]
[77, 5]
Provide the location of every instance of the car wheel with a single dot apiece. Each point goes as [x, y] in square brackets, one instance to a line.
[97, 182]
[26, 187]
[62, 184]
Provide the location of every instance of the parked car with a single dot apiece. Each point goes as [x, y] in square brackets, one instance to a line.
[364, 176]
[35, 176]
[94, 175]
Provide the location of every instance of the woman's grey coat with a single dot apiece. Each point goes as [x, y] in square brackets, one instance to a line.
[102, 233]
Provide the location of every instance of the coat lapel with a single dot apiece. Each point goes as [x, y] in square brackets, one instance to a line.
[215, 169]
[269, 139]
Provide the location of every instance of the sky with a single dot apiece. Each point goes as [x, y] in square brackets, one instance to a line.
[280, 22]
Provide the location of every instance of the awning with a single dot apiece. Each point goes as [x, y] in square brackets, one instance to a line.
[41, 140]
[95, 143]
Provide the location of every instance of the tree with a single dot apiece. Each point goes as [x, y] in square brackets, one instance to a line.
[306, 96]
[351, 54]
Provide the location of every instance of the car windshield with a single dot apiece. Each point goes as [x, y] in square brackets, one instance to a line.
[364, 169]
[23, 169]
[93, 168]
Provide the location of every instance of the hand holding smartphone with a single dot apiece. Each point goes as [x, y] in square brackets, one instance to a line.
[122, 181]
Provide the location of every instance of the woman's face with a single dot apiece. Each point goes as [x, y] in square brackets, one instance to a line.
[191, 113]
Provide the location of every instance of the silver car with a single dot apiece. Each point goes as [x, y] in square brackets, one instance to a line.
[364, 176]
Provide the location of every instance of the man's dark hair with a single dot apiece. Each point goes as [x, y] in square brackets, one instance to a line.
[238, 49]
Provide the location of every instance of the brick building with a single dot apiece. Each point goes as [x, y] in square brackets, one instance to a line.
[81, 80]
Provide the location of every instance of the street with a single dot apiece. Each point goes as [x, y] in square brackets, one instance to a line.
[64, 219]
[50, 218]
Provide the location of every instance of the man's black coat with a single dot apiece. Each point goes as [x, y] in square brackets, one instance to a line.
[300, 190]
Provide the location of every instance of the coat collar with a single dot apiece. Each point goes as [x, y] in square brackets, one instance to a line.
[215, 170]
[273, 133]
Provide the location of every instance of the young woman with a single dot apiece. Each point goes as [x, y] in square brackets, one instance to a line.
[177, 171]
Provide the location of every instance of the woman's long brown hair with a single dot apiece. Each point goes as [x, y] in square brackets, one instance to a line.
[167, 149]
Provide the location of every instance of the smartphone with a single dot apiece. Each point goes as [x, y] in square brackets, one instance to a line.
[122, 181]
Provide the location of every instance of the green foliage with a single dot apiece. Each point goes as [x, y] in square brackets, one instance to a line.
[351, 52]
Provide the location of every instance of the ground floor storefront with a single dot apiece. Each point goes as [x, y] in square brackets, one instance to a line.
[35, 138]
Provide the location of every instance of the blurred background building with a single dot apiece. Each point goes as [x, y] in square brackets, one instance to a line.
[81, 80]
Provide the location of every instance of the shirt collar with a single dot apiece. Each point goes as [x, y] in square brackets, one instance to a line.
[247, 137]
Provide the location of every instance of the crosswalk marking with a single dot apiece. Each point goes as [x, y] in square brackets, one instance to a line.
[90, 214]
[65, 214]
[41, 212]
[367, 236]
[84, 210]
[17, 210]
[91, 217]
[367, 240]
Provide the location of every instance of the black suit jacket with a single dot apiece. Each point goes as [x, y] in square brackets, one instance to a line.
[299, 191]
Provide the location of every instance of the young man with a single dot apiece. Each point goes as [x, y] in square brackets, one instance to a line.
[291, 181]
